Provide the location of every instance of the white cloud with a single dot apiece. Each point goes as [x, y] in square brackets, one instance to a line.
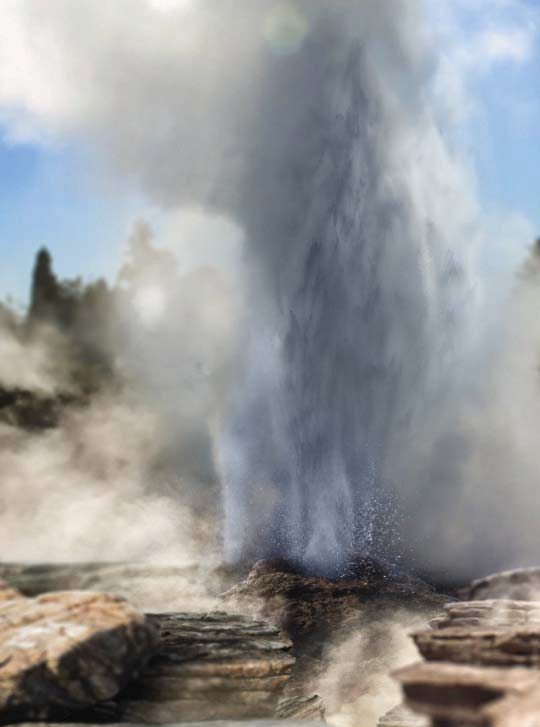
[475, 37]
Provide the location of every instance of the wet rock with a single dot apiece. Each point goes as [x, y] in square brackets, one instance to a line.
[522, 584]
[462, 696]
[317, 612]
[208, 667]
[306, 606]
[67, 650]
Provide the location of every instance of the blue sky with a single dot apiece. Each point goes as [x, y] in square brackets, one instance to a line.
[53, 195]
[49, 197]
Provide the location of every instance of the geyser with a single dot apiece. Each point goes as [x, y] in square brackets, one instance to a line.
[314, 125]
[355, 225]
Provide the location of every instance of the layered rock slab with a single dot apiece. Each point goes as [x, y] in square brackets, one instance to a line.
[457, 695]
[483, 666]
[67, 651]
[212, 666]
[491, 633]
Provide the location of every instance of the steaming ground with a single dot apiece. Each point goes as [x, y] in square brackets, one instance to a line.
[477, 496]
[128, 472]
[358, 687]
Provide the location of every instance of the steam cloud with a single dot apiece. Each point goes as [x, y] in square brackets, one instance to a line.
[313, 125]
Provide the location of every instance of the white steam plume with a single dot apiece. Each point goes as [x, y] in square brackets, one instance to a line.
[312, 125]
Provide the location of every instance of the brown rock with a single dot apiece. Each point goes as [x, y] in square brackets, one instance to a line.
[501, 614]
[492, 633]
[465, 696]
[7, 593]
[210, 666]
[67, 650]
[305, 605]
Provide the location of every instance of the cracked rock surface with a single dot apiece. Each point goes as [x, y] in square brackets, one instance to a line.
[67, 650]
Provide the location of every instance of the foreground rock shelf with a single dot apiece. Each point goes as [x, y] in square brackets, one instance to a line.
[206, 666]
[67, 651]
[217, 665]
[465, 696]
[483, 658]
[212, 666]
[490, 633]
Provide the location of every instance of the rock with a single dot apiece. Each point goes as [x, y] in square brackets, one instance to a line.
[493, 633]
[7, 593]
[307, 606]
[316, 612]
[220, 723]
[522, 584]
[483, 667]
[402, 717]
[301, 708]
[501, 614]
[258, 652]
[462, 696]
[67, 650]
[212, 666]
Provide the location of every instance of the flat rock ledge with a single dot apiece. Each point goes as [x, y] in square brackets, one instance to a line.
[490, 633]
[215, 666]
[482, 664]
[456, 695]
[67, 651]
[204, 666]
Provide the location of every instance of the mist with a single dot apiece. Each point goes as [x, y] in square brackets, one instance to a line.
[351, 390]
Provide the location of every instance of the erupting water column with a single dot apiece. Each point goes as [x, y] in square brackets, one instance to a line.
[353, 290]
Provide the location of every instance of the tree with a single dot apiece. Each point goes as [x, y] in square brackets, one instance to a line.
[45, 294]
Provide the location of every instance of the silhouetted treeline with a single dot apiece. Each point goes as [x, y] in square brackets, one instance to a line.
[82, 312]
